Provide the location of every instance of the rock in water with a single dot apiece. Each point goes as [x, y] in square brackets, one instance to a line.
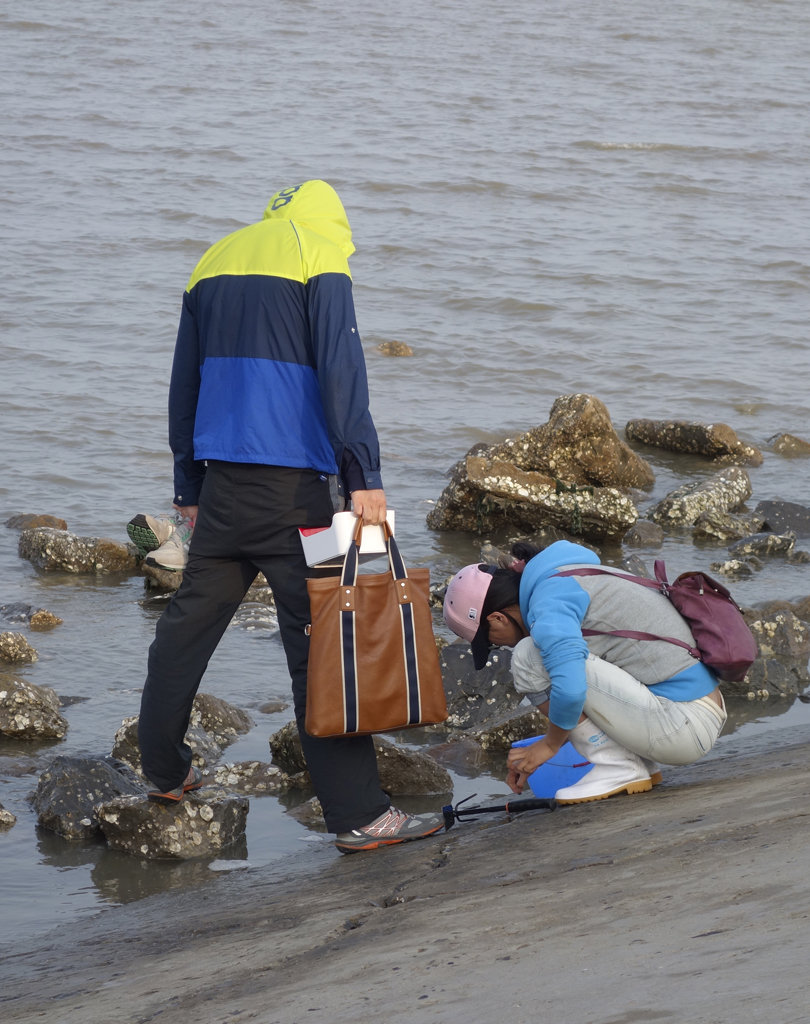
[203, 824]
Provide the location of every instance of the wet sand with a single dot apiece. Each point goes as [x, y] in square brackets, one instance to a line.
[687, 904]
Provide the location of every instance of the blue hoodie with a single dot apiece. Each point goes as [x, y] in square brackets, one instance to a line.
[555, 609]
[268, 366]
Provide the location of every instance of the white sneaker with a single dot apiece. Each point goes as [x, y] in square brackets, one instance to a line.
[173, 553]
[149, 532]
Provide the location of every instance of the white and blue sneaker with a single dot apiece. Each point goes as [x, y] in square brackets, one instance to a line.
[172, 554]
[149, 532]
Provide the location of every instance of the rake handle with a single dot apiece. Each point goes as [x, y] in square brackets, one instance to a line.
[453, 814]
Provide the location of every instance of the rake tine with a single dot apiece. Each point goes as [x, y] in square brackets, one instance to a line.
[453, 814]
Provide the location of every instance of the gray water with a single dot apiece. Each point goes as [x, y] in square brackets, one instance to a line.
[546, 198]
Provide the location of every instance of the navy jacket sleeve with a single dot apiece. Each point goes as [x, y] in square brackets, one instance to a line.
[341, 369]
[183, 392]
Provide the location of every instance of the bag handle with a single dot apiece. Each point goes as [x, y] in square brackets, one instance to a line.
[352, 559]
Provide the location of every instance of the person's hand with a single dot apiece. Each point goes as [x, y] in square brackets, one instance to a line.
[369, 506]
[188, 512]
[516, 780]
[522, 761]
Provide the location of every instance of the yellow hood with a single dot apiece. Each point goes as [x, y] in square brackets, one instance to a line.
[317, 206]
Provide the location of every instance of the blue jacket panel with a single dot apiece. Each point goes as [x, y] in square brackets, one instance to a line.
[553, 611]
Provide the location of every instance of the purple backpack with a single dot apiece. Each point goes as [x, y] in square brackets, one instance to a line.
[723, 641]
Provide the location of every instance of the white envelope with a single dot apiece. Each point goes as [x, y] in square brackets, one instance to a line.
[326, 546]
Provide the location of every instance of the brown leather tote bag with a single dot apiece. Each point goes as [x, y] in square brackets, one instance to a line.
[373, 662]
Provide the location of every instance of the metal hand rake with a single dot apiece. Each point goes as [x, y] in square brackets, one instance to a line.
[453, 814]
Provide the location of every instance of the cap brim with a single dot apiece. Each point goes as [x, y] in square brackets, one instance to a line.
[480, 646]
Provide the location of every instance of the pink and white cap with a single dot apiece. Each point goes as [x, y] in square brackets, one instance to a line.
[464, 607]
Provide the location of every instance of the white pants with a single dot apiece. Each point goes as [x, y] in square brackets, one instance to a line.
[668, 731]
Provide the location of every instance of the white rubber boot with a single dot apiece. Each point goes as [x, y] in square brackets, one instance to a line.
[615, 769]
[656, 778]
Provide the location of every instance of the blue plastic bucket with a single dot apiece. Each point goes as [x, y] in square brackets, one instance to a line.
[564, 769]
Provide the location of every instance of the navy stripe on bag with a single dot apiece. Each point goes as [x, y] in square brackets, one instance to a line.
[347, 636]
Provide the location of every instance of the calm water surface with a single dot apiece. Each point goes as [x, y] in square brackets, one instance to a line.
[546, 199]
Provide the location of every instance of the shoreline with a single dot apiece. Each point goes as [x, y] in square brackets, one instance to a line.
[682, 904]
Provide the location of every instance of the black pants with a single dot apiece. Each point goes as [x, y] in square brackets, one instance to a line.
[248, 522]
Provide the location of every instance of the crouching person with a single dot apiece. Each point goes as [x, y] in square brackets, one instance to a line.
[625, 704]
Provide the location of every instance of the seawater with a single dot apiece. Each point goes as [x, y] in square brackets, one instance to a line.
[546, 199]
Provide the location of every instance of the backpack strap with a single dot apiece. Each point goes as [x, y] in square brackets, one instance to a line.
[593, 570]
[660, 584]
[632, 634]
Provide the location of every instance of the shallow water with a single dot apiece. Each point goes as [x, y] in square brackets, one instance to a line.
[545, 199]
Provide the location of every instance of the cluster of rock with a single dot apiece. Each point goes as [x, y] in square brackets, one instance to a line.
[83, 797]
[572, 477]
[38, 619]
[27, 711]
[14, 648]
[572, 473]
[54, 549]
[576, 476]
[80, 798]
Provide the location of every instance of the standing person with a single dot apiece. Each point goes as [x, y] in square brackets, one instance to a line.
[623, 703]
[268, 406]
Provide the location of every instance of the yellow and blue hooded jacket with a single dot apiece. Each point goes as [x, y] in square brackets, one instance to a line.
[268, 366]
